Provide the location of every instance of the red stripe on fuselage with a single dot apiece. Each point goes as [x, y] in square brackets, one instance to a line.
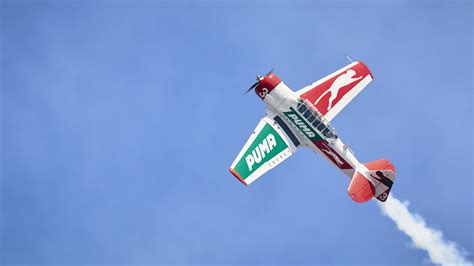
[332, 155]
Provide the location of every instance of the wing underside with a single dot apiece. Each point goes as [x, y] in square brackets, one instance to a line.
[271, 143]
[333, 92]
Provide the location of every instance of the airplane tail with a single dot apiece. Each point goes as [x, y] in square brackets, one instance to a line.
[376, 182]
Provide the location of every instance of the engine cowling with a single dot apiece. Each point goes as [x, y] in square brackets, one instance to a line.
[266, 85]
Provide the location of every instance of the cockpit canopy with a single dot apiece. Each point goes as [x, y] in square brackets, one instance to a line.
[314, 117]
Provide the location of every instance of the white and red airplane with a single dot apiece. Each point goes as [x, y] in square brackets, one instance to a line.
[298, 119]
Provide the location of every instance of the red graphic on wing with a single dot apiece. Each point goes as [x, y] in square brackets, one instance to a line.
[332, 155]
[326, 94]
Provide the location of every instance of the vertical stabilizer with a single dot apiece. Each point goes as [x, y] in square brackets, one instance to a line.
[381, 174]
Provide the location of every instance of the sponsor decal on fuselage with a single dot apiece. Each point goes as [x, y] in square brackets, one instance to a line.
[333, 155]
[302, 125]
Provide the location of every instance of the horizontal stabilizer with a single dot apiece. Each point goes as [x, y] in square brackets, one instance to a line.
[376, 182]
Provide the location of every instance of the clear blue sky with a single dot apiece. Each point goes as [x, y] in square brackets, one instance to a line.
[119, 122]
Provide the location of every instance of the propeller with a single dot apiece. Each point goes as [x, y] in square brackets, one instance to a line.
[259, 79]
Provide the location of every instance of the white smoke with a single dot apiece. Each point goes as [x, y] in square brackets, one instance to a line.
[441, 251]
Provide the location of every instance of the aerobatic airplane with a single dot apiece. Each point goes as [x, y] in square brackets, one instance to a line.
[301, 119]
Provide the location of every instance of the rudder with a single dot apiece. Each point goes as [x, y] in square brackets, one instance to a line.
[376, 181]
[383, 171]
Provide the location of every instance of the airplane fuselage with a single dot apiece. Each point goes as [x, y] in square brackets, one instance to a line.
[312, 129]
[302, 118]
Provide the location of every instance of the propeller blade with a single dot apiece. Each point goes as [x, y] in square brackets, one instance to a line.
[259, 79]
[271, 71]
[253, 86]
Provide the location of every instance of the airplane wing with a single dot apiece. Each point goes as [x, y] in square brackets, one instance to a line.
[332, 93]
[271, 143]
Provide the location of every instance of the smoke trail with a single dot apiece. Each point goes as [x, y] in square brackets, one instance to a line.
[440, 251]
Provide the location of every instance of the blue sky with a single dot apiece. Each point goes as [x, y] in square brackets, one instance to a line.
[119, 121]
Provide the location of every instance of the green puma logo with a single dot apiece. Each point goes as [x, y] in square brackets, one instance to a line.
[266, 145]
[260, 151]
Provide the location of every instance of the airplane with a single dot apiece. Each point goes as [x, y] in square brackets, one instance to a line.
[302, 119]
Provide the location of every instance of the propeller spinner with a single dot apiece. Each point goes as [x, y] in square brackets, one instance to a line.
[259, 79]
